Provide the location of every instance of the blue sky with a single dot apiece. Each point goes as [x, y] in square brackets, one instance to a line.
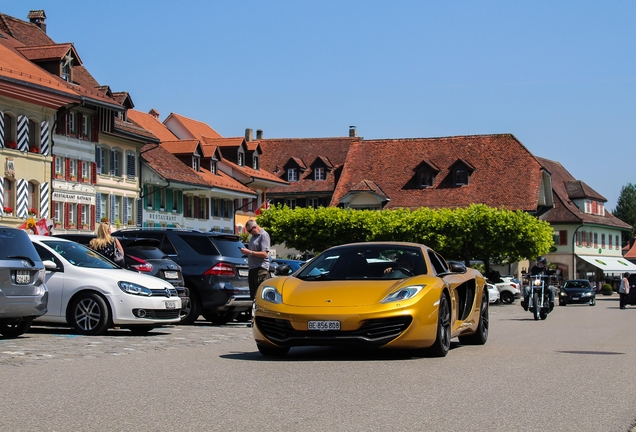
[559, 75]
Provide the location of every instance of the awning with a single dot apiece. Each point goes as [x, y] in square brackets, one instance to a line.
[610, 264]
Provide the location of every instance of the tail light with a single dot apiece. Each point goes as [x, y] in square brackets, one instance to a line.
[220, 269]
[140, 265]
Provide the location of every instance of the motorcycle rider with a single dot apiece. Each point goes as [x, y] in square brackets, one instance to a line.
[540, 268]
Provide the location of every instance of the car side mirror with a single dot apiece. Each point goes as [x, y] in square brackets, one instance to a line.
[282, 270]
[457, 267]
[50, 265]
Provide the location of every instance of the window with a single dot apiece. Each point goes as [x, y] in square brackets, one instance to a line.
[8, 201]
[584, 238]
[196, 163]
[85, 213]
[255, 164]
[84, 166]
[34, 136]
[150, 197]
[9, 130]
[202, 208]
[101, 158]
[603, 241]
[118, 208]
[116, 164]
[188, 208]
[162, 199]
[319, 173]
[461, 177]
[595, 240]
[241, 158]
[86, 120]
[216, 208]
[560, 238]
[129, 210]
[103, 205]
[57, 212]
[73, 168]
[59, 166]
[291, 203]
[66, 69]
[72, 124]
[313, 203]
[292, 175]
[33, 198]
[425, 178]
[72, 213]
[175, 200]
[226, 208]
[131, 167]
[213, 167]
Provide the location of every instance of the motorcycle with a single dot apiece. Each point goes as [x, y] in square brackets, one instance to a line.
[539, 300]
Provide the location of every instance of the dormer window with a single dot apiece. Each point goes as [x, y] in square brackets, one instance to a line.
[319, 173]
[292, 175]
[213, 167]
[425, 178]
[241, 159]
[460, 176]
[255, 163]
[196, 163]
[66, 67]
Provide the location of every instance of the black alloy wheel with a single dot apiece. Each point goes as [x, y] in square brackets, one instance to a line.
[442, 343]
[14, 327]
[481, 333]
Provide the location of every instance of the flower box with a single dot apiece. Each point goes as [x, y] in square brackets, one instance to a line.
[7, 209]
[11, 145]
[34, 150]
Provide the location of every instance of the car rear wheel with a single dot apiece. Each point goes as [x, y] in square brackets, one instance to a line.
[15, 327]
[193, 310]
[89, 314]
[481, 334]
[442, 342]
[593, 302]
[272, 351]
[506, 297]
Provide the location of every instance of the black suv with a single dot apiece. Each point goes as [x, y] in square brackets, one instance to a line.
[214, 269]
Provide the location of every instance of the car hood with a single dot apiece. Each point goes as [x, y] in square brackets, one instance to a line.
[296, 292]
[118, 275]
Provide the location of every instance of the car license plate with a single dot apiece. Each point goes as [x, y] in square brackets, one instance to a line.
[171, 274]
[22, 276]
[171, 304]
[575, 298]
[323, 325]
[242, 272]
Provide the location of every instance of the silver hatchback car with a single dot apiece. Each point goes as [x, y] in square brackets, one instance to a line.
[23, 294]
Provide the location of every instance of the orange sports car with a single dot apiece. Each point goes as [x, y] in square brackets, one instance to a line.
[380, 294]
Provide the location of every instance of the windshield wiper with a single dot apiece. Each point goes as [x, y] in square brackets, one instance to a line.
[321, 276]
[24, 258]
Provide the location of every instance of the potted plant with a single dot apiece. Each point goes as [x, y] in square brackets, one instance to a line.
[130, 222]
[117, 223]
[71, 225]
[11, 145]
[84, 226]
[7, 210]
[57, 224]
[33, 212]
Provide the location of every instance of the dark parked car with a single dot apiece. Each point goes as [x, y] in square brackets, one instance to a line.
[577, 291]
[23, 293]
[276, 266]
[144, 256]
[214, 269]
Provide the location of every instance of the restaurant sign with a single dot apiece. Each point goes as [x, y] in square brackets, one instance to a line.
[73, 198]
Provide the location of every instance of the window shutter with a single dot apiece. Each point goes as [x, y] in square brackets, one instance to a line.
[98, 208]
[98, 157]
[180, 195]
[23, 133]
[222, 208]
[60, 125]
[145, 195]
[207, 208]
[80, 121]
[156, 199]
[67, 216]
[140, 212]
[236, 204]
[22, 203]
[52, 209]
[67, 169]
[169, 203]
[112, 162]
[94, 128]
[93, 173]
[80, 164]
[93, 218]
[112, 209]
[1, 129]
[563, 238]
[78, 216]
[53, 165]
[125, 210]
[44, 200]
[44, 138]
[130, 166]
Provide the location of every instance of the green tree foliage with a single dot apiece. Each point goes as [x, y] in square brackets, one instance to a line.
[626, 206]
[477, 232]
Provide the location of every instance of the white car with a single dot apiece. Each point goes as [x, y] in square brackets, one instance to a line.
[493, 293]
[92, 294]
[509, 289]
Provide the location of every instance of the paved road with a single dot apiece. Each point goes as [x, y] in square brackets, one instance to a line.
[571, 372]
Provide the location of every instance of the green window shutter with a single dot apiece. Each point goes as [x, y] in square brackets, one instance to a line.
[157, 199]
[180, 202]
[168, 200]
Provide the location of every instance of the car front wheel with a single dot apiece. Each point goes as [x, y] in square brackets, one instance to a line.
[481, 334]
[442, 342]
[507, 297]
[193, 309]
[15, 327]
[89, 314]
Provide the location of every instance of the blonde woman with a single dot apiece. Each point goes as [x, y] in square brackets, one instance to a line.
[107, 245]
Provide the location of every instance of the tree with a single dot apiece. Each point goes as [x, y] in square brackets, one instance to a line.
[477, 232]
[626, 206]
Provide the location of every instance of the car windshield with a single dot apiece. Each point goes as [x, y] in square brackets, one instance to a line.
[365, 262]
[78, 255]
[15, 243]
[577, 284]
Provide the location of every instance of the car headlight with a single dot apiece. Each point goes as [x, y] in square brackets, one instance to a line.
[563, 293]
[271, 294]
[586, 294]
[403, 293]
[133, 288]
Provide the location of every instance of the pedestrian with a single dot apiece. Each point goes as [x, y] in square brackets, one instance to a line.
[107, 245]
[257, 253]
[623, 290]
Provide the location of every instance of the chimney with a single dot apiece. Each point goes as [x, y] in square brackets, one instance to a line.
[352, 131]
[259, 134]
[249, 135]
[153, 112]
[38, 17]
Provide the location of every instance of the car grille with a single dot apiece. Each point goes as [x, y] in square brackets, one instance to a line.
[375, 332]
[162, 292]
[161, 314]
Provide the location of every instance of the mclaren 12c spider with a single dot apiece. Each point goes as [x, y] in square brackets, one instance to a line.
[379, 294]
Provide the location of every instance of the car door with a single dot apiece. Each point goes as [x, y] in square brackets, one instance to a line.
[54, 280]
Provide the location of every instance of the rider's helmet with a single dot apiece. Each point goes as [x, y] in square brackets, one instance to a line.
[541, 262]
